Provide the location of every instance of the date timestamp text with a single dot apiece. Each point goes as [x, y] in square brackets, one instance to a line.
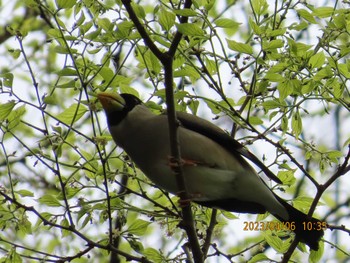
[288, 226]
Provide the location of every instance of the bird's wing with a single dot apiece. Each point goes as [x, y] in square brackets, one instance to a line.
[213, 132]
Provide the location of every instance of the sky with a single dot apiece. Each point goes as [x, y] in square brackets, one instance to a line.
[320, 129]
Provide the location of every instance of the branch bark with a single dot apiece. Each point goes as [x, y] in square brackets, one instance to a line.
[166, 58]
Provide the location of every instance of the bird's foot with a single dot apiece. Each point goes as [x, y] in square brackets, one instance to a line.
[173, 162]
[185, 201]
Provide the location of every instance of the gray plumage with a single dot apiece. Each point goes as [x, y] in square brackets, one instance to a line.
[216, 174]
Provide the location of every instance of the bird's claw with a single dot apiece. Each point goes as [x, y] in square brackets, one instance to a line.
[174, 163]
[183, 202]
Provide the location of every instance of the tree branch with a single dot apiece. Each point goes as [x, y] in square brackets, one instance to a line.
[148, 41]
[167, 61]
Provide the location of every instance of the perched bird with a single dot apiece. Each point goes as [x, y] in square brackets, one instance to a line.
[216, 175]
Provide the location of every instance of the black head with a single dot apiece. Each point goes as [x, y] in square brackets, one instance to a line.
[117, 106]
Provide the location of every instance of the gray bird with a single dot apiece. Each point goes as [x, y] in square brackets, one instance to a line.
[216, 174]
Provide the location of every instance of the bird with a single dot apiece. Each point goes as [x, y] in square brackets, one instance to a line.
[215, 170]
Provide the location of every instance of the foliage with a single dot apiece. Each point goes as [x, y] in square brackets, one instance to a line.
[274, 73]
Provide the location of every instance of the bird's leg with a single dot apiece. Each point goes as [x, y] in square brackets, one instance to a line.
[186, 202]
[184, 162]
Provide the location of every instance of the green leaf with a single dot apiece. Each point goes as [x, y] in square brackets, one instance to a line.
[344, 70]
[15, 116]
[65, 50]
[208, 5]
[24, 226]
[152, 63]
[271, 104]
[298, 48]
[190, 29]
[80, 20]
[105, 24]
[253, 120]
[268, 46]
[85, 27]
[138, 9]
[153, 255]
[239, 47]
[188, 71]
[185, 12]
[324, 73]
[6, 79]
[138, 227]
[261, 257]
[65, 4]
[259, 6]
[275, 32]
[25, 193]
[5, 109]
[306, 15]
[229, 215]
[129, 90]
[315, 256]
[284, 124]
[54, 33]
[67, 72]
[299, 26]
[274, 77]
[193, 106]
[65, 223]
[317, 60]
[285, 88]
[226, 23]
[334, 155]
[287, 177]
[297, 124]
[13, 257]
[273, 240]
[15, 53]
[123, 29]
[74, 112]
[66, 85]
[49, 200]
[302, 203]
[255, 27]
[135, 245]
[93, 34]
[166, 19]
[323, 11]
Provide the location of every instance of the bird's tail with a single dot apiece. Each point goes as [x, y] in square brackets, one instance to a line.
[308, 229]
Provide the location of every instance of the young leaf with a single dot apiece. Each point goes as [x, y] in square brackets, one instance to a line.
[306, 15]
[239, 47]
[226, 23]
[74, 112]
[315, 256]
[153, 255]
[317, 60]
[190, 29]
[323, 11]
[166, 19]
[297, 124]
[49, 200]
[138, 227]
[7, 79]
[259, 258]
[277, 43]
[65, 4]
[5, 109]
[273, 240]
[14, 117]
[185, 12]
